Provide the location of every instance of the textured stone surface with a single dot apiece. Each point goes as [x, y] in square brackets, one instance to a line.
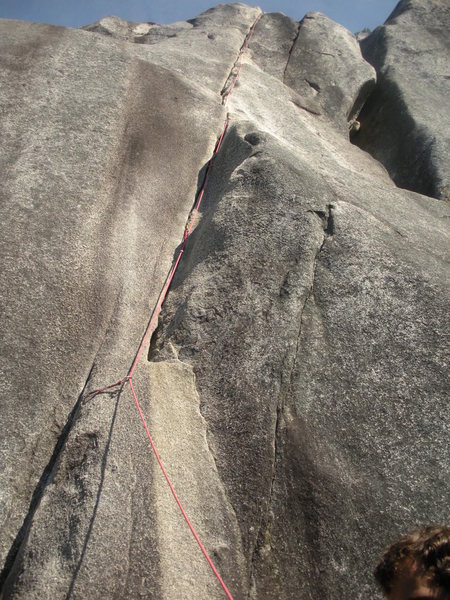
[296, 383]
[201, 49]
[100, 157]
[325, 64]
[310, 288]
[405, 124]
[272, 43]
[181, 435]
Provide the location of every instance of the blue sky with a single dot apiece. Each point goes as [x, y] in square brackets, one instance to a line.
[354, 14]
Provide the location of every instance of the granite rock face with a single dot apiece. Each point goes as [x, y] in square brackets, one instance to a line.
[101, 150]
[325, 64]
[295, 386]
[405, 124]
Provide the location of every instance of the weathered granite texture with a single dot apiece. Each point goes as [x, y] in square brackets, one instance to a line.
[325, 64]
[100, 156]
[296, 384]
[405, 124]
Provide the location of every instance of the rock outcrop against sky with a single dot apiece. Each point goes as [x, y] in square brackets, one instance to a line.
[405, 124]
[296, 384]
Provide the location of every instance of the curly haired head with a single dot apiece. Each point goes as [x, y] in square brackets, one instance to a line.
[424, 555]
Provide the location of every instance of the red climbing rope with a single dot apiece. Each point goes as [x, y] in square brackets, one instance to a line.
[128, 378]
[180, 506]
[187, 232]
[241, 52]
[170, 276]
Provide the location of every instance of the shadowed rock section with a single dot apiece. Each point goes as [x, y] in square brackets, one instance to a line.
[296, 383]
[405, 124]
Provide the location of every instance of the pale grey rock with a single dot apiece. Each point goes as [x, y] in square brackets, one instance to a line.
[174, 412]
[312, 305]
[140, 33]
[100, 157]
[201, 49]
[325, 64]
[272, 43]
[296, 385]
[405, 124]
[361, 35]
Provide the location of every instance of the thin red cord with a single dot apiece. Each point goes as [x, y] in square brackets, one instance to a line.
[172, 489]
[242, 51]
[187, 233]
[149, 330]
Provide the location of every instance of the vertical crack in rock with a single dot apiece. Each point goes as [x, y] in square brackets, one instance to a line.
[291, 49]
[21, 537]
[175, 407]
[327, 223]
[327, 219]
[202, 179]
[276, 444]
[264, 520]
[97, 499]
[228, 85]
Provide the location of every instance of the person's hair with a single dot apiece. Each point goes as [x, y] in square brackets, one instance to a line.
[426, 550]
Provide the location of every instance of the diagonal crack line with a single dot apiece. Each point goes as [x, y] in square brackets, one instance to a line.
[282, 401]
[234, 71]
[8, 573]
[291, 49]
[97, 500]
[327, 221]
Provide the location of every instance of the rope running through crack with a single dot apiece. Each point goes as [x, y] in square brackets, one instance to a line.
[149, 330]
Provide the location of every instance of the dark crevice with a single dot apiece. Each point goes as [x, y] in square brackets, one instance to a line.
[226, 89]
[313, 84]
[284, 289]
[363, 95]
[205, 173]
[390, 133]
[152, 347]
[97, 500]
[291, 49]
[327, 222]
[13, 557]
[233, 152]
[326, 219]
[329, 229]
[201, 185]
[264, 520]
